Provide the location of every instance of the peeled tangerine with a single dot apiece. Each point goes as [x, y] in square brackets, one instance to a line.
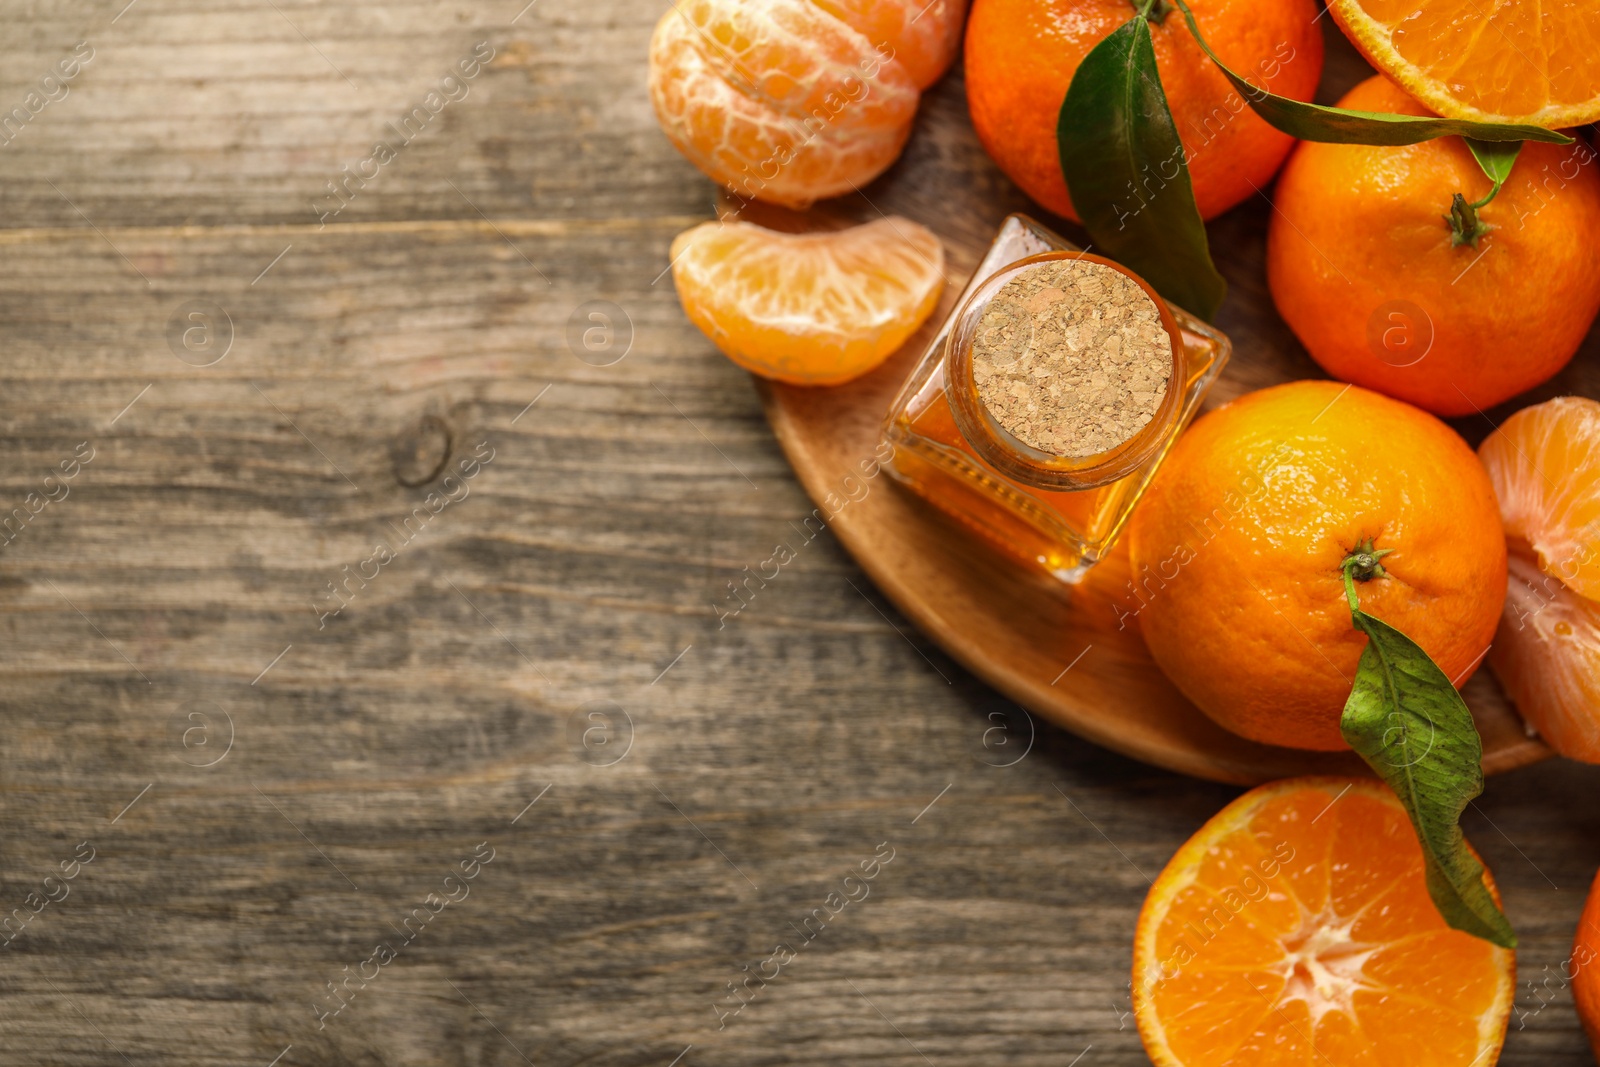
[811, 308]
[791, 101]
[1544, 462]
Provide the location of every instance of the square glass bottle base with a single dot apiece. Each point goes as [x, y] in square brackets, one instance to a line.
[1064, 533]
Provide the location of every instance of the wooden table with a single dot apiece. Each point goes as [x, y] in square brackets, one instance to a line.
[531, 670]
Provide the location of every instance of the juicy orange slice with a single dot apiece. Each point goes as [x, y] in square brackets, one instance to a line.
[813, 308]
[1544, 462]
[1499, 62]
[1547, 655]
[1296, 929]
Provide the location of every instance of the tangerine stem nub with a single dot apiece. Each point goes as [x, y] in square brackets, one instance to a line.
[1364, 562]
[1154, 10]
[1465, 226]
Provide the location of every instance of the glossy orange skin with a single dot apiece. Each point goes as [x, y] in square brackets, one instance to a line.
[1021, 56]
[1238, 544]
[1357, 229]
[1586, 964]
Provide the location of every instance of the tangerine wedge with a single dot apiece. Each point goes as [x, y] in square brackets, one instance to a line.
[1295, 928]
[812, 308]
[1515, 62]
[1544, 463]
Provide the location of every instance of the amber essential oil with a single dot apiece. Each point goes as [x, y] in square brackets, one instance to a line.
[1058, 512]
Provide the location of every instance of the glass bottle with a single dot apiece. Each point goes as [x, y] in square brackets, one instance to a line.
[1047, 511]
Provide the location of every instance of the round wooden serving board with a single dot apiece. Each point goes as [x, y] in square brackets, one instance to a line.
[1057, 650]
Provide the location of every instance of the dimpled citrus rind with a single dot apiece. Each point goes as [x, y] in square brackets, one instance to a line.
[1238, 545]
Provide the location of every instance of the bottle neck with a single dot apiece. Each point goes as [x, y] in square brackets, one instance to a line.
[1015, 458]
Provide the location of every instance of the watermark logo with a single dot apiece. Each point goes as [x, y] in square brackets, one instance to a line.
[600, 333]
[204, 732]
[600, 733]
[1007, 738]
[1404, 740]
[200, 333]
[1400, 333]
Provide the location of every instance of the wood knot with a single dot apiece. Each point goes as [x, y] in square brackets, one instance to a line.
[419, 451]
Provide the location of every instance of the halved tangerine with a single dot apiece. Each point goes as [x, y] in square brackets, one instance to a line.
[1503, 62]
[1296, 928]
[809, 308]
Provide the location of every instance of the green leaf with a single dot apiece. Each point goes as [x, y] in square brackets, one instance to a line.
[1314, 122]
[1496, 158]
[1127, 175]
[1412, 727]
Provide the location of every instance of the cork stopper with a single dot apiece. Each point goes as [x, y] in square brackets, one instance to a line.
[1071, 357]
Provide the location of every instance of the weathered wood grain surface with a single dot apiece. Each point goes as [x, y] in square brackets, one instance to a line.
[268, 792]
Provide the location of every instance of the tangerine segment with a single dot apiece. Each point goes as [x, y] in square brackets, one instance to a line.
[1296, 928]
[1537, 63]
[809, 309]
[1547, 656]
[1544, 462]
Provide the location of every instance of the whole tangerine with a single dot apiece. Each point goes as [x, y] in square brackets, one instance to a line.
[1585, 967]
[1369, 272]
[1021, 56]
[1239, 544]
